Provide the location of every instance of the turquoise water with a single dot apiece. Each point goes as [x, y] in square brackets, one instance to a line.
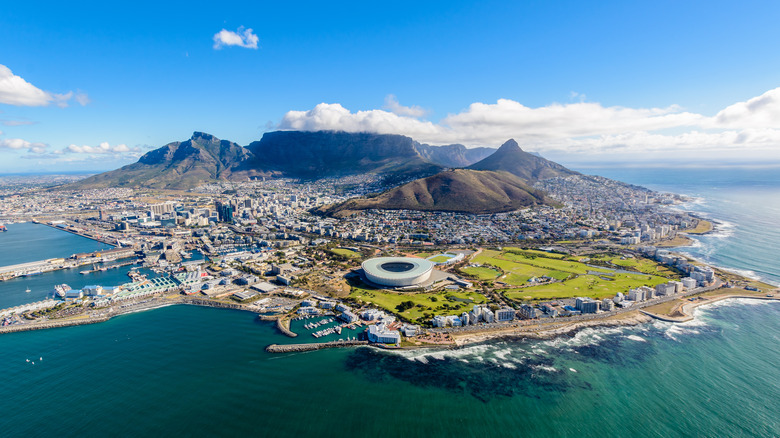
[190, 371]
[13, 292]
[29, 242]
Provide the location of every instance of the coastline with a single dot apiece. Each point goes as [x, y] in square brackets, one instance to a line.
[154, 303]
[681, 312]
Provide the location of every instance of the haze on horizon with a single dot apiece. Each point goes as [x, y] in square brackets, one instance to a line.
[661, 83]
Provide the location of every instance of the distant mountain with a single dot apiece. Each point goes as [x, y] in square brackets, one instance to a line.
[453, 155]
[529, 167]
[321, 154]
[459, 190]
[179, 165]
[296, 154]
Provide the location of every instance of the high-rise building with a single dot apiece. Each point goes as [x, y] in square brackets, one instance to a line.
[224, 211]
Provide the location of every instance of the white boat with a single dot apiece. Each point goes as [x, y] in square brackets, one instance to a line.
[28, 290]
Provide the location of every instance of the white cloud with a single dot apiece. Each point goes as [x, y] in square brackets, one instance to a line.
[759, 112]
[327, 116]
[7, 122]
[14, 90]
[580, 127]
[391, 103]
[101, 149]
[241, 38]
[19, 144]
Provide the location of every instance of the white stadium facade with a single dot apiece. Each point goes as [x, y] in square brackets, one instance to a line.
[397, 271]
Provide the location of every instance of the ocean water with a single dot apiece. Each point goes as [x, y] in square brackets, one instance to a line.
[190, 371]
[745, 204]
[29, 242]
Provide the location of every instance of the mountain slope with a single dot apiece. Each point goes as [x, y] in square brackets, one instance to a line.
[529, 167]
[459, 190]
[178, 165]
[453, 155]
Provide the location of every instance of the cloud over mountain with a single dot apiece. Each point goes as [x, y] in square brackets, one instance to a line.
[580, 127]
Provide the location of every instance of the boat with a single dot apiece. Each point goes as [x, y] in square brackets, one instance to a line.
[3, 228]
[28, 290]
[85, 272]
[60, 290]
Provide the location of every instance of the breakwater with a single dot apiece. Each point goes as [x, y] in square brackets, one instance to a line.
[297, 348]
[52, 324]
[283, 324]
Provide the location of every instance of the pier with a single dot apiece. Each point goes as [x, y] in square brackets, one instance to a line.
[297, 348]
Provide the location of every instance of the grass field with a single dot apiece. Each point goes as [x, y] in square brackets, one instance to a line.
[439, 259]
[701, 228]
[525, 264]
[644, 265]
[534, 252]
[586, 286]
[481, 273]
[346, 253]
[446, 303]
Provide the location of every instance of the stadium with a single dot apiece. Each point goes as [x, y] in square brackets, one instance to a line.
[397, 271]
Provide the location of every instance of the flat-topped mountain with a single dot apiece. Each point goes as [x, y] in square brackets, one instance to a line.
[331, 153]
[295, 154]
[458, 190]
[179, 165]
[530, 167]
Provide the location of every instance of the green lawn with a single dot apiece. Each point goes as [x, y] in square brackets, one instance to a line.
[646, 266]
[520, 265]
[447, 303]
[534, 252]
[346, 253]
[515, 279]
[551, 264]
[481, 273]
[586, 286]
[439, 259]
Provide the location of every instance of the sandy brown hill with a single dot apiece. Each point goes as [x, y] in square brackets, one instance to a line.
[459, 190]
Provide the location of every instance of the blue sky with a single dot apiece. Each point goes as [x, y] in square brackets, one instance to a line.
[93, 86]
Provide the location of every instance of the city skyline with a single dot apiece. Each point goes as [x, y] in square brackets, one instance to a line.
[91, 89]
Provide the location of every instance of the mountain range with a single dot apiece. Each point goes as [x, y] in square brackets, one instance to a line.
[498, 183]
[443, 178]
[294, 154]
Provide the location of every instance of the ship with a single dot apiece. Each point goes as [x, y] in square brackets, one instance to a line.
[3, 228]
[60, 290]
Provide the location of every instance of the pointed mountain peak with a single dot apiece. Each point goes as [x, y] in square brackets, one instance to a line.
[531, 168]
[510, 144]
